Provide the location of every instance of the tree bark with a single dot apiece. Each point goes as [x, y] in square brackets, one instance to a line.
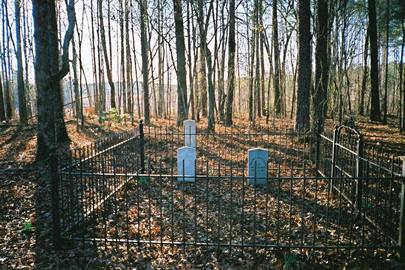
[365, 75]
[304, 65]
[51, 126]
[320, 97]
[22, 104]
[2, 111]
[202, 74]
[401, 70]
[277, 98]
[105, 52]
[375, 113]
[6, 77]
[161, 101]
[129, 85]
[145, 66]
[231, 65]
[385, 102]
[122, 62]
[181, 63]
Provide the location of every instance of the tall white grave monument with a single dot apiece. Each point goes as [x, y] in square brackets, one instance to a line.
[190, 133]
[257, 166]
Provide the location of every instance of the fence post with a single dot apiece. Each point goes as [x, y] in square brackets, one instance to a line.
[142, 146]
[54, 180]
[359, 172]
[317, 144]
[333, 167]
[401, 237]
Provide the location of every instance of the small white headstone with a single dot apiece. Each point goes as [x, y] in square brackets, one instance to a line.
[186, 158]
[190, 133]
[257, 166]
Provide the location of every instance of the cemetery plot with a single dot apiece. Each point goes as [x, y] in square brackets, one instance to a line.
[236, 189]
[228, 212]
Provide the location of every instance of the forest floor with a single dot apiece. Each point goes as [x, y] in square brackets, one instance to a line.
[25, 221]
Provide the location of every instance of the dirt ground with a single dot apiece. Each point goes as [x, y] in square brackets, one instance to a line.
[25, 234]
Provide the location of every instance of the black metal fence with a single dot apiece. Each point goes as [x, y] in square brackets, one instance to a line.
[370, 183]
[321, 193]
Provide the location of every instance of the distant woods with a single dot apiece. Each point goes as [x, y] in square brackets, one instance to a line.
[307, 60]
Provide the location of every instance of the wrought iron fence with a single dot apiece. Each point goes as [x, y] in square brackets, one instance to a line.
[128, 190]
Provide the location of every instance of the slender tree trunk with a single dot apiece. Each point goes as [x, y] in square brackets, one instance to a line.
[375, 113]
[258, 105]
[320, 97]
[365, 75]
[262, 74]
[401, 71]
[161, 101]
[138, 102]
[122, 62]
[251, 77]
[181, 63]
[211, 95]
[145, 66]
[100, 61]
[277, 96]
[387, 28]
[105, 51]
[129, 63]
[2, 111]
[26, 34]
[304, 65]
[6, 78]
[190, 64]
[202, 75]
[22, 104]
[231, 65]
[77, 101]
[94, 62]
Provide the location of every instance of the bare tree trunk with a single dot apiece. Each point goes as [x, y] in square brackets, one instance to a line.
[145, 66]
[190, 64]
[107, 62]
[2, 111]
[6, 78]
[304, 65]
[387, 27]
[129, 63]
[365, 75]
[161, 101]
[258, 105]
[122, 62]
[251, 76]
[22, 104]
[401, 72]
[102, 93]
[181, 63]
[276, 56]
[77, 101]
[375, 113]
[320, 97]
[138, 102]
[202, 75]
[26, 37]
[231, 65]
[48, 74]
[94, 62]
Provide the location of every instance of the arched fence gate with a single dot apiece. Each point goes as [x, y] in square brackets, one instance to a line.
[318, 192]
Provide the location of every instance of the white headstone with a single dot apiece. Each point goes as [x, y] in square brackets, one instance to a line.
[186, 158]
[257, 166]
[190, 133]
